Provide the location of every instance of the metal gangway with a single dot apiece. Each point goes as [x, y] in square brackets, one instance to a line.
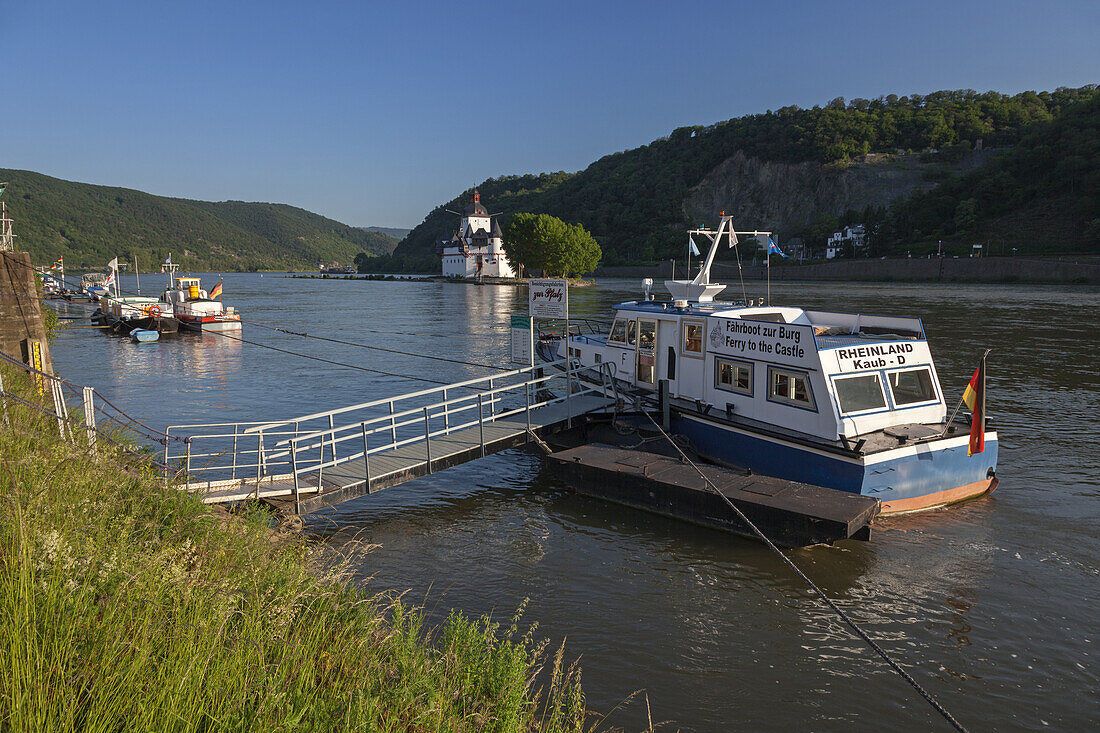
[311, 461]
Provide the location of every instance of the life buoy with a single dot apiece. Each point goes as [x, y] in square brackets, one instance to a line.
[154, 310]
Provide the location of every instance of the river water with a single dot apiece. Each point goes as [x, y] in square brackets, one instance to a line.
[991, 605]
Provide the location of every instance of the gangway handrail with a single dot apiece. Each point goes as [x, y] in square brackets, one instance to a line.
[290, 445]
[435, 405]
[301, 471]
[406, 396]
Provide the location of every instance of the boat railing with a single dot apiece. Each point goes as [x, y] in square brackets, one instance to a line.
[555, 328]
[258, 452]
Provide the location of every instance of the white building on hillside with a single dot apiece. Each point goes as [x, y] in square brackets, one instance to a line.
[477, 248]
[856, 235]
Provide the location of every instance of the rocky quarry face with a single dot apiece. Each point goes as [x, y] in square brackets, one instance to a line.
[778, 196]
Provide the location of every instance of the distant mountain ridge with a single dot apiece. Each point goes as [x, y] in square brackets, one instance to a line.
[397, 233]
[795, 170]
[89, 224]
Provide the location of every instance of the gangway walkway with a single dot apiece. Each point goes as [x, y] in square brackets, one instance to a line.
[325, 458]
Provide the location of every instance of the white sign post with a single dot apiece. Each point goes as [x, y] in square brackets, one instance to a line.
[549, 298]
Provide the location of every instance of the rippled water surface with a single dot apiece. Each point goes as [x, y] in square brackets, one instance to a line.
[991, 605]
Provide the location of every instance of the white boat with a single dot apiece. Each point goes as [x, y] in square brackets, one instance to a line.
[94, 285]
[193, 307]
[843, 400]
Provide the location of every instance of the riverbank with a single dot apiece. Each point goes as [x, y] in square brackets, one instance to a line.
[128, 605]
[1067, 269]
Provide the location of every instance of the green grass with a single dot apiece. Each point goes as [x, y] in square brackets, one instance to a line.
[128, 605]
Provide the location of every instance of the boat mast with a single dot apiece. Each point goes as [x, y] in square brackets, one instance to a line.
[701, 289]
[169, 268]
[136, 274]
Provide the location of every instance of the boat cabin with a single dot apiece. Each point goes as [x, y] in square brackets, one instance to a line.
[826, 375]
[829, 375]
[189, 300]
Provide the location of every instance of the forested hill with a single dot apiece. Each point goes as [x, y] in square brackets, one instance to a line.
[90, 224]
[803, 165]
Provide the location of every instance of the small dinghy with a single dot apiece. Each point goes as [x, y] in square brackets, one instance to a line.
[144, 336]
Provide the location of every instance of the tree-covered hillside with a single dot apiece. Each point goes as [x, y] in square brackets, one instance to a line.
[89, 225]
[633, 202]
[1042, 195]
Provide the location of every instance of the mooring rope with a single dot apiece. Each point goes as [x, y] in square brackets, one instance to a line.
[326, 361]
[381, 348]
[820, 593]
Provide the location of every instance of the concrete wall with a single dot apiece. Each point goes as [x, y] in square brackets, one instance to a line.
[1066, 269]
[20, 309]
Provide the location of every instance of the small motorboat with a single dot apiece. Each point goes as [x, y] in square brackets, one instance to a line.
[144, 336]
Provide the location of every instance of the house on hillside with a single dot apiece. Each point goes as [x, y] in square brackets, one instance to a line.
[854, 235]
[476, 249]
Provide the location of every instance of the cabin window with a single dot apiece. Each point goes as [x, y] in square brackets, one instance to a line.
[599, 358]
[733, 376]
[647, 334]
[857, 394]
[693, 338]
[618, 331]
[790, 387]
[631, 332]
[912, 386]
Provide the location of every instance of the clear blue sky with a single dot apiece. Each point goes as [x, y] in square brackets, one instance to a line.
[374, 112]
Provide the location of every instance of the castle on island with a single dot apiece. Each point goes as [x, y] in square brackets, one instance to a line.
[477, 248]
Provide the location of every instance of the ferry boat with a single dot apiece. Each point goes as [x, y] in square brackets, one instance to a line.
[194, 307]
[842, 400]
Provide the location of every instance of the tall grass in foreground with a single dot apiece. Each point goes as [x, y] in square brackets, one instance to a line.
[128, 605]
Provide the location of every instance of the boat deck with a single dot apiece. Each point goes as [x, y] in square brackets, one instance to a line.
[788, 512]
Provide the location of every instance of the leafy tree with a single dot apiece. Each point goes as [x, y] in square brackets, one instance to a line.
[547, 244]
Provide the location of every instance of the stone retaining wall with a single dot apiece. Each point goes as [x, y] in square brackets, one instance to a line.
[1066, 269]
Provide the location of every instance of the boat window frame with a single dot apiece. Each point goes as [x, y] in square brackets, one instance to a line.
[611, 334]
[733, 388]
[931, 380]
[884, 407]
[778, 399]
[645, 351]
[684, 350]
[638, 333]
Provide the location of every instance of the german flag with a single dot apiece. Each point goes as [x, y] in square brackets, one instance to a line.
[218, 291]
[974, 397]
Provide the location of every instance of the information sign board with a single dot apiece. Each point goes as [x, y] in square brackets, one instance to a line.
[548, 298]
[521, 340]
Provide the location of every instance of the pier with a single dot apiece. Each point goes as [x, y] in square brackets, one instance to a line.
[312, 461]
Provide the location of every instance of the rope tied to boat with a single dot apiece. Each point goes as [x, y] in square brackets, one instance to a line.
[820, 593]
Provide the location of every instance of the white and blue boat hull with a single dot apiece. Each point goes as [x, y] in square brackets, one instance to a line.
[912, 477]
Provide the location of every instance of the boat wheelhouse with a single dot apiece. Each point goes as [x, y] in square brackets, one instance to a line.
[842, 400]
